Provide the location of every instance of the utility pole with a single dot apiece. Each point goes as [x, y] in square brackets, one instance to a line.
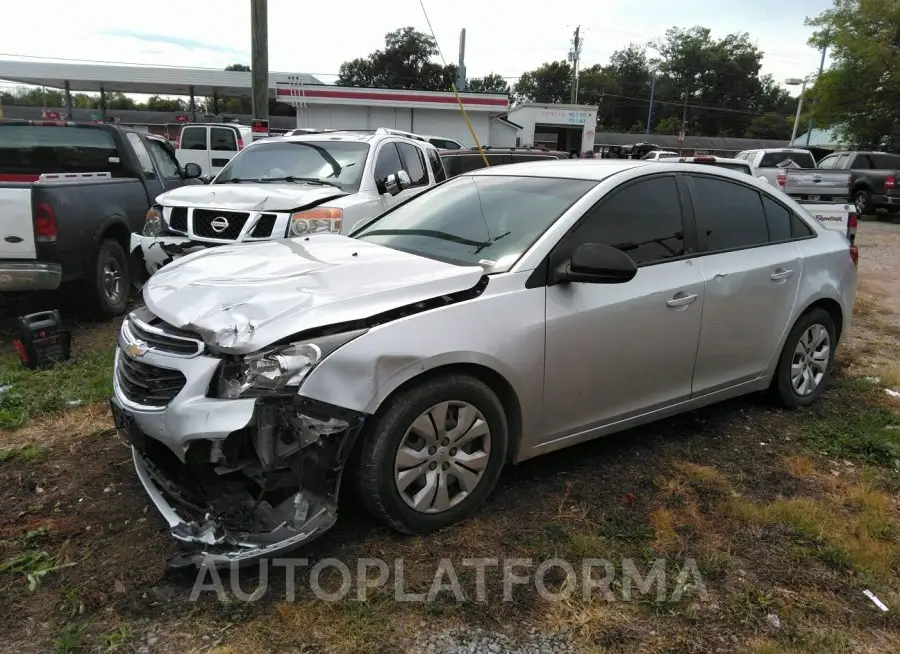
[683, 124]
[821, 68]
[574, 57]
[259, 58]
[461, 66]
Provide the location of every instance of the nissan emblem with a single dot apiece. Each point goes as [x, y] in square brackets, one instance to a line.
[219, 224]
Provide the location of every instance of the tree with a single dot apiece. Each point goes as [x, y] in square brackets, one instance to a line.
[405, 63]
[550, 82]
[631, 70]
[770, 126]
[492, 83]
[860, 92]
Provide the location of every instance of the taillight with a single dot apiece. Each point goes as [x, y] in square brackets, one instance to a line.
[178, 141]
[890, 182]
[241, 144]
[781, 180]
[44, 224]
[854, 254]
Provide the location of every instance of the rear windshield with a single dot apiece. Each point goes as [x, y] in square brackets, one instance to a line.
[730, 165]
[787, 160]
[55, 149]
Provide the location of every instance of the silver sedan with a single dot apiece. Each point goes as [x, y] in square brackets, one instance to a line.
[500, 315]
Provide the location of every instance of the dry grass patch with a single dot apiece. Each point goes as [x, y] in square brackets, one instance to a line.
[798, 466]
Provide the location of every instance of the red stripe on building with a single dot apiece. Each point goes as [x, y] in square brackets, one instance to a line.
[391, 97]
[11, 177]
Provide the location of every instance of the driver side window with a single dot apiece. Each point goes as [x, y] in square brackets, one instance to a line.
[386, 163]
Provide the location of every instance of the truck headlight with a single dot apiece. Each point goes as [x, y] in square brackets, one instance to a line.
[153, 222]
[316, 221]
[278, 369]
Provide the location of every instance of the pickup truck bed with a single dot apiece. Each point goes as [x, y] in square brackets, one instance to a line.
[70, 196]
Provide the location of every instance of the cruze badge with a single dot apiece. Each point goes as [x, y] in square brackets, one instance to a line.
[219, 224]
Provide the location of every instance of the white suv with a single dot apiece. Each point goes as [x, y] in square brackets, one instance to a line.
[288, 186]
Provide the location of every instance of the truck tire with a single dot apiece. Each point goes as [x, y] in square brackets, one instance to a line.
[109, 279]
[863, 201]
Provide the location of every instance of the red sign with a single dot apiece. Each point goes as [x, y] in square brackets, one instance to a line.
[182, 119]
[258, 126]
[50, 115]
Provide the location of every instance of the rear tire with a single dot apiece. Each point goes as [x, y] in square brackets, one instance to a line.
[862, 199]
[418, 490]
[109, 280]
[807, 360]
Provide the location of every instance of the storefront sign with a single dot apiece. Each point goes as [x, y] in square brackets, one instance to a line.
[565, 117]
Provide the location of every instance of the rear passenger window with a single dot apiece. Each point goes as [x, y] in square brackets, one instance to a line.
[469, 162]
[193, 138]
[643, 220]
[524, 158]
[222, 139]
[728, 215]
[778, 219]
[437, 168]
[413, 164]
[799, 229]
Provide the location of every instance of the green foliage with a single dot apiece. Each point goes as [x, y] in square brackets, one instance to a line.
[861, 90]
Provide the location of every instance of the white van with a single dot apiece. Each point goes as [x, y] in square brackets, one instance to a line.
[211, 145]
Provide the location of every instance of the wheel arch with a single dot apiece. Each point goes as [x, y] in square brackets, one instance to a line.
[114, 227]
[499, 384]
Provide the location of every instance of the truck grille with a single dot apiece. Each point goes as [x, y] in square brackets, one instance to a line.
[159, 336]
[146, 384]
[233, 223]
[264, 226]
[178, 219]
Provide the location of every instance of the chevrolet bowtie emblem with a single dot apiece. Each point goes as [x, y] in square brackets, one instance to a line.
[135, 350]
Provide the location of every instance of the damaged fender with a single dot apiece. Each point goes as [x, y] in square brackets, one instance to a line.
[150, 253]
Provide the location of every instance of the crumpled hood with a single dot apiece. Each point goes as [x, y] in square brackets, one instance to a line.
[241, 298]
[250, 197]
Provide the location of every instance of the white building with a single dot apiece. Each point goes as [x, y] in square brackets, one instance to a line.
[429, 113]
[564, 127]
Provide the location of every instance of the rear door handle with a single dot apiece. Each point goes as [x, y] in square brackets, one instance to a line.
[781, 273]
[681, 299]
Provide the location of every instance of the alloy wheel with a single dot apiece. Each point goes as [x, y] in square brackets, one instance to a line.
[112, 280]
[442, 457]
[810, 361]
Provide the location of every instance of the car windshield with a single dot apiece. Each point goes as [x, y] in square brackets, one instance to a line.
[334, 163]
[486, 220]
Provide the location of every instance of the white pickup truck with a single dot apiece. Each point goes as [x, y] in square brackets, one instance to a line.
[287, 186]
[825, 194]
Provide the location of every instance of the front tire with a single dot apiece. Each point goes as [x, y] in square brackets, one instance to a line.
[806, 361]
[863, 202]
[434, 456]
[109, 281]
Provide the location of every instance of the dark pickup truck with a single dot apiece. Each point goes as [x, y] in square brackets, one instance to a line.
[71, 194]
[874, 179]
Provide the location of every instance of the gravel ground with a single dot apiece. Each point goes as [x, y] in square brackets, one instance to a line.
[478, 641]
[879, 258]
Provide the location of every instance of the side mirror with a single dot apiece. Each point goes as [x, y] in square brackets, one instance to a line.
[595, 263]
[192, 171]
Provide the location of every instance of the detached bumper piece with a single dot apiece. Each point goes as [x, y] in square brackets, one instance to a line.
[264, 490]
[150, 253]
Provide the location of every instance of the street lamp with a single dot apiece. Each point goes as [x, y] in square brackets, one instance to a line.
[796, 81]
[653, 72]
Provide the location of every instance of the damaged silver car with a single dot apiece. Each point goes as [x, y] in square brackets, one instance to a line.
[503, 314]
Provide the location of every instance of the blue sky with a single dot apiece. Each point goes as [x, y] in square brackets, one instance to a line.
[316, 38]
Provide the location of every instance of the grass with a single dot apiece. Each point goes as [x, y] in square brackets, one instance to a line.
[27, 452]
[33, 393]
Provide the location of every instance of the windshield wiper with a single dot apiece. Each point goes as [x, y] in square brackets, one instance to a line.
[433, 233]
[300, 180]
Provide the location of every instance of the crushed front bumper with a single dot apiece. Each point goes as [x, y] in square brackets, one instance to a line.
[235, 479]
[150, 253]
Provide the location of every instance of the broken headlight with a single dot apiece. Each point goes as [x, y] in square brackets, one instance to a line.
[277, 369]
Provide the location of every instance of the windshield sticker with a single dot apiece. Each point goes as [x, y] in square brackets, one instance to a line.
[486, 262]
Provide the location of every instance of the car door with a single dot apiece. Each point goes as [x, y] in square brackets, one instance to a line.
[387, 162]
[171, 173]
[222, 147]
[193, 146]
[413, 159]
[751, 275]
[620, 350]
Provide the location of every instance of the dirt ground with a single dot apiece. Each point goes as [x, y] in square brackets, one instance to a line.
[790, 516]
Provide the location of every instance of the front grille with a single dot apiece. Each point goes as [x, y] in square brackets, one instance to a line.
[146, 384]
[160, 336]
[178, 219]
[203, 223]
[265, 226]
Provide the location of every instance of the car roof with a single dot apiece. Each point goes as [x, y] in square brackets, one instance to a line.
[354, 137]
[489, 150]
[598, 169]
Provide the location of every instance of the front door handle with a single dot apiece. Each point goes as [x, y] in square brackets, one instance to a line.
[781, 273]
[681, 299]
